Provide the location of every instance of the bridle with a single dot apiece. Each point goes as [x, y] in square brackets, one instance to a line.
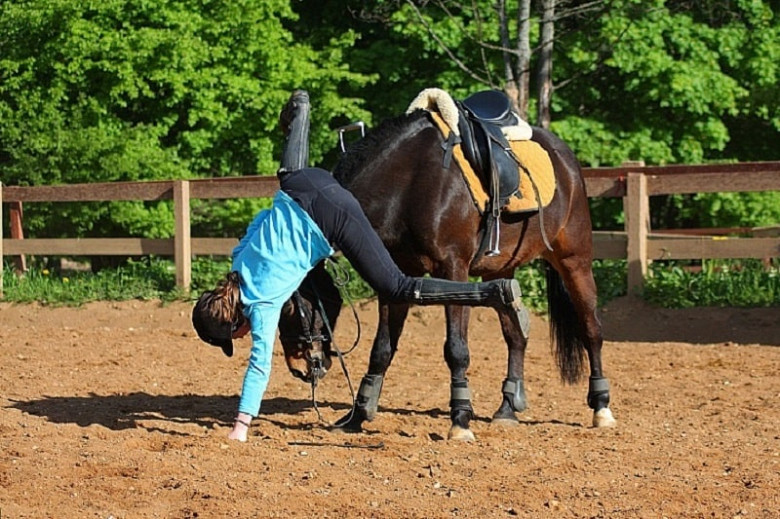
[309, 338]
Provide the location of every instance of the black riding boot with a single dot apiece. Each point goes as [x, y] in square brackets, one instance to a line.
[500, 294]
[294, 121]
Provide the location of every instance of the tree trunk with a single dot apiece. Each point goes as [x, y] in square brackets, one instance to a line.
[523, 70]
[510, 81]
[545, 63]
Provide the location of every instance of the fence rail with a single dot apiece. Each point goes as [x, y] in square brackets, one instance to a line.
[637, 243]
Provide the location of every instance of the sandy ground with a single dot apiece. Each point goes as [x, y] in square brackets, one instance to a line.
[118, 411]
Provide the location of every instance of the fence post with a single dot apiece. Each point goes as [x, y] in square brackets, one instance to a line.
[15, 215]
[636, 206]
[182, 242]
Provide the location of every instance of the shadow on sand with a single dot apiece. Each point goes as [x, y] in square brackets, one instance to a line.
[632, 320]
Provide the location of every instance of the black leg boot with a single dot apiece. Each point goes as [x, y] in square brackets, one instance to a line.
[294, 121]
[500, 294]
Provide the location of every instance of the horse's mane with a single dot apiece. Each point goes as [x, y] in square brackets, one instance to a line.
[365, 149]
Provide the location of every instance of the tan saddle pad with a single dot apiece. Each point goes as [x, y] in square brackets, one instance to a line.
[530, 154]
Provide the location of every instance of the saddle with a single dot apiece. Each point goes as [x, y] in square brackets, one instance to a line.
[482, 117]
[503, 168]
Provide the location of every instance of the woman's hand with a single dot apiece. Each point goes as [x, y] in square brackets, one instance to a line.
[240, 427]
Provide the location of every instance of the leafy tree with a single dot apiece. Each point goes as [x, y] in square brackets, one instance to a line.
[116, 90]
[130, 89]
[671, 82]
[664, 81]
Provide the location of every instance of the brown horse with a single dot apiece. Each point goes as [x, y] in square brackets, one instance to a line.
[426, 217]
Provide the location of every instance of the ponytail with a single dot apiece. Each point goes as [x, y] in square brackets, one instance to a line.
[225, 299]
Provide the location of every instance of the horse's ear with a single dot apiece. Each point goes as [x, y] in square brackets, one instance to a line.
[288, 308]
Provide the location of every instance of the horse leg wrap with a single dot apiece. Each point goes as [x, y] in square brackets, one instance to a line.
[460, 395]
[368, 394]
[598, 393]
[515, 392]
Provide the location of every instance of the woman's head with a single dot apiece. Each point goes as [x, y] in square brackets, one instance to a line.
[217, 315]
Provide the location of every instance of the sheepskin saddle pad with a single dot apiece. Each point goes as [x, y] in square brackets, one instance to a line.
[525, 176]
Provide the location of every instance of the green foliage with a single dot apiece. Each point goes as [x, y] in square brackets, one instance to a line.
[145, 279]
[224, 218]
[606, 214]
[348, 281]
[125, 90]
[744, 283]
[533, 283]
[610, 276]
[207, 272]
[663, 81]
[670, 82]
[716, 210]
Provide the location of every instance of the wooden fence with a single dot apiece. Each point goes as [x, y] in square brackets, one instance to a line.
[637, 243]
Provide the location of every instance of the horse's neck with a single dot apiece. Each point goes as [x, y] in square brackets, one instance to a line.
[388, 140]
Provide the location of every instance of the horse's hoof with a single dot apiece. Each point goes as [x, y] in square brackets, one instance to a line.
[505, 422]
[603, 418]
[461, 434]
[345, 430]
[347, 425]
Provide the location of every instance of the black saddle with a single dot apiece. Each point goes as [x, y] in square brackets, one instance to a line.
[482, 115]
[491, 106]
[481, 119]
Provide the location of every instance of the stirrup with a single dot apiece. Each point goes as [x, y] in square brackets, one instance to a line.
[495, 238]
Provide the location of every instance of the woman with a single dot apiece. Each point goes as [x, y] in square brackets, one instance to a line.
[312, 214]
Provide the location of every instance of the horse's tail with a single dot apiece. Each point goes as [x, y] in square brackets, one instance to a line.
[566, 333]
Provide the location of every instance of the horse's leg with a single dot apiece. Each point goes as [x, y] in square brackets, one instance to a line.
[456, 354]
[513, 388]
[577, 275]
[389, 328]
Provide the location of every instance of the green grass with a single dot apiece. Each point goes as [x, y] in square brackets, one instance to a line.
[146, 279]
[737, 283]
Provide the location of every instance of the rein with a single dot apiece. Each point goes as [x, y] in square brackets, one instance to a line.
[308, 336]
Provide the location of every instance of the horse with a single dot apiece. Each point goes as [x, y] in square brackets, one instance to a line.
[427, 219]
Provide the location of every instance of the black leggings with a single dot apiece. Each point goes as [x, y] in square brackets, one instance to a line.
[341, 219]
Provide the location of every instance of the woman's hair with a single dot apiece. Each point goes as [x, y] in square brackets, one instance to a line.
[224, 302]
[218, 313]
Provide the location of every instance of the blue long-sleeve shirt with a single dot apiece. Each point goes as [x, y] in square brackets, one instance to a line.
[281, 245]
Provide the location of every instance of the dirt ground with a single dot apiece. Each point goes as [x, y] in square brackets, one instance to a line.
[118, 411]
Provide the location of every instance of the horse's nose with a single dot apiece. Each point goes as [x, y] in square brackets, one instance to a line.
[318, 368]
[317, 365]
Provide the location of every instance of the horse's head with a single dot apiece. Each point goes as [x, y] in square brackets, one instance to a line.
[306, 325]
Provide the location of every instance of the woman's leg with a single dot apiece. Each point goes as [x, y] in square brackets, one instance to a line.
[294, 121]
[343, 219]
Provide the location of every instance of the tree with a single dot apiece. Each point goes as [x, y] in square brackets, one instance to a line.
[670, 82]
[132, 90]
[659, 80]
[665, 81]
